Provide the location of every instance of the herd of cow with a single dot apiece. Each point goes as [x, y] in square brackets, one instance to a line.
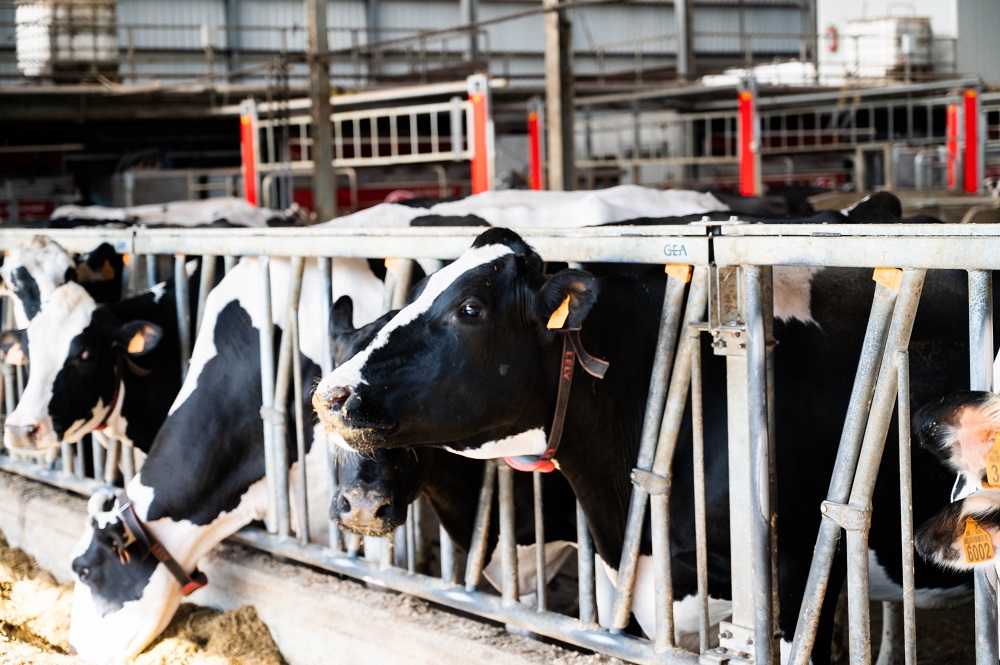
[475, 364]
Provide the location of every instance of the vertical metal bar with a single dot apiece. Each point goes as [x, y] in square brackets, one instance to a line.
[698, 459]
[659, 515]
[183, 311]
[906, 508]
[128, 462]
[204, 286]
[275, 411]
[78, 466]
[112, 461]
[655, 403]
[765, 643]
[229, 262]
[401, 285]
[870, 460]
[481, 528]
[508, 544]
[325, 267]
[302, 493]
[98, 451]
[540, 577]
[411, 536]
[267, 389]
[981, 378]
[858, 409]
[68, 453]
[585, 569]
[151, 277]
[448, 572]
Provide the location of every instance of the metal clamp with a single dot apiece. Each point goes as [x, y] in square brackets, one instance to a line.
[848, 517]
[272, 416]
[649, 482]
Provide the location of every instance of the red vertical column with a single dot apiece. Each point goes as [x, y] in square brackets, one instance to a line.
[248, 149]
[970, 108]
[747, 148]
[481, 135]
[535, 145]
[951, 145]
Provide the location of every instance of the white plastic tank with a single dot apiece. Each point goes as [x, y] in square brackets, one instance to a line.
[66, 40]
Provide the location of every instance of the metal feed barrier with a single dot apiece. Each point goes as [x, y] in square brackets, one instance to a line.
[729, 297]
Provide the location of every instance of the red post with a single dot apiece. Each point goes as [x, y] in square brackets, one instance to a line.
[970, 103]
[481, 134]
[951, 145]
[535, 170]
[747, 148]
[248, 149]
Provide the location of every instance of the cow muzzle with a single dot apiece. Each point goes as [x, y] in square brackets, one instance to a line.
[29, 437]
[366, 512]
[353, 416]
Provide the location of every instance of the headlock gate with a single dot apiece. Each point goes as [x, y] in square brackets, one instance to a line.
[720, 285]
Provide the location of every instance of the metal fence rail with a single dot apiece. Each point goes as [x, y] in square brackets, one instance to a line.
[749, 250]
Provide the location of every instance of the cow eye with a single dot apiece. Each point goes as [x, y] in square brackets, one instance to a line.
[84, 355]
[470, 310]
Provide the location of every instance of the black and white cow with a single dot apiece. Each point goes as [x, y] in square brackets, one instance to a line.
[113, 368]
[470, 365]
[33, 269]
[961, 429]
[203, 477]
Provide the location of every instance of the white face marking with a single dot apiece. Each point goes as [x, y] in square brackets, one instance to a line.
[45, 261]
[854, 205]
[532, 442]
[349, 374]
[792, 293]
[67, 313]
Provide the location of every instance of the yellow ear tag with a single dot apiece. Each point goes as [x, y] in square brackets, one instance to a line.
[681, 273]
[15, 355]
[558, 318]
[392, 265]
[107, 270]
[137, 343]
[890, 278]
[976, 543]
[992, 480]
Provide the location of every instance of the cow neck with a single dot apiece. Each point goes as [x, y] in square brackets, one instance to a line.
[137, 532]
[121, 362]
[572, 352]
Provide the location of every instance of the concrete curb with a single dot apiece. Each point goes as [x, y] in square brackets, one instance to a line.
[314, 617]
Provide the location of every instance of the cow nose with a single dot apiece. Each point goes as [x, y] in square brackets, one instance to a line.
[364, 511]
[81, 570]
[337, 396]
[20, 436]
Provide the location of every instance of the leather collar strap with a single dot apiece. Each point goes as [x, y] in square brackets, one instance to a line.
[572, 353]
[138, 531]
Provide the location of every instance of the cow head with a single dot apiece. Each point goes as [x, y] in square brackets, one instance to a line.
[31, 271]
[963, 430]
[122, 598]
[78, 353]
[467, 364]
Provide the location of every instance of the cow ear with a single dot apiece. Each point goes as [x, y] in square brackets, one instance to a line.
[342, 316]
[566, 298]
[12, 347]
[139, 337]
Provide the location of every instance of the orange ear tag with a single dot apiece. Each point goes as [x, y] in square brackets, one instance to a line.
[976, 543]
[392, 265]
[107, 270]
[890, 278]
[992, 480]
[15, 355]
[681, 273]
[137, 343]
[558, 318]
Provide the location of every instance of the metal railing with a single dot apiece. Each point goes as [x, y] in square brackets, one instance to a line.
[738, 319]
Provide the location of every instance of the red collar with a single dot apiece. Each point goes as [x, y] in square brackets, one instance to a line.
[572, 353]
[137, 531]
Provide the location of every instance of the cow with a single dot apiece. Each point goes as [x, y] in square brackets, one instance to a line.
[471, 365]
[110, 368]
[203, 476]
[34, 268]
[961, 430]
